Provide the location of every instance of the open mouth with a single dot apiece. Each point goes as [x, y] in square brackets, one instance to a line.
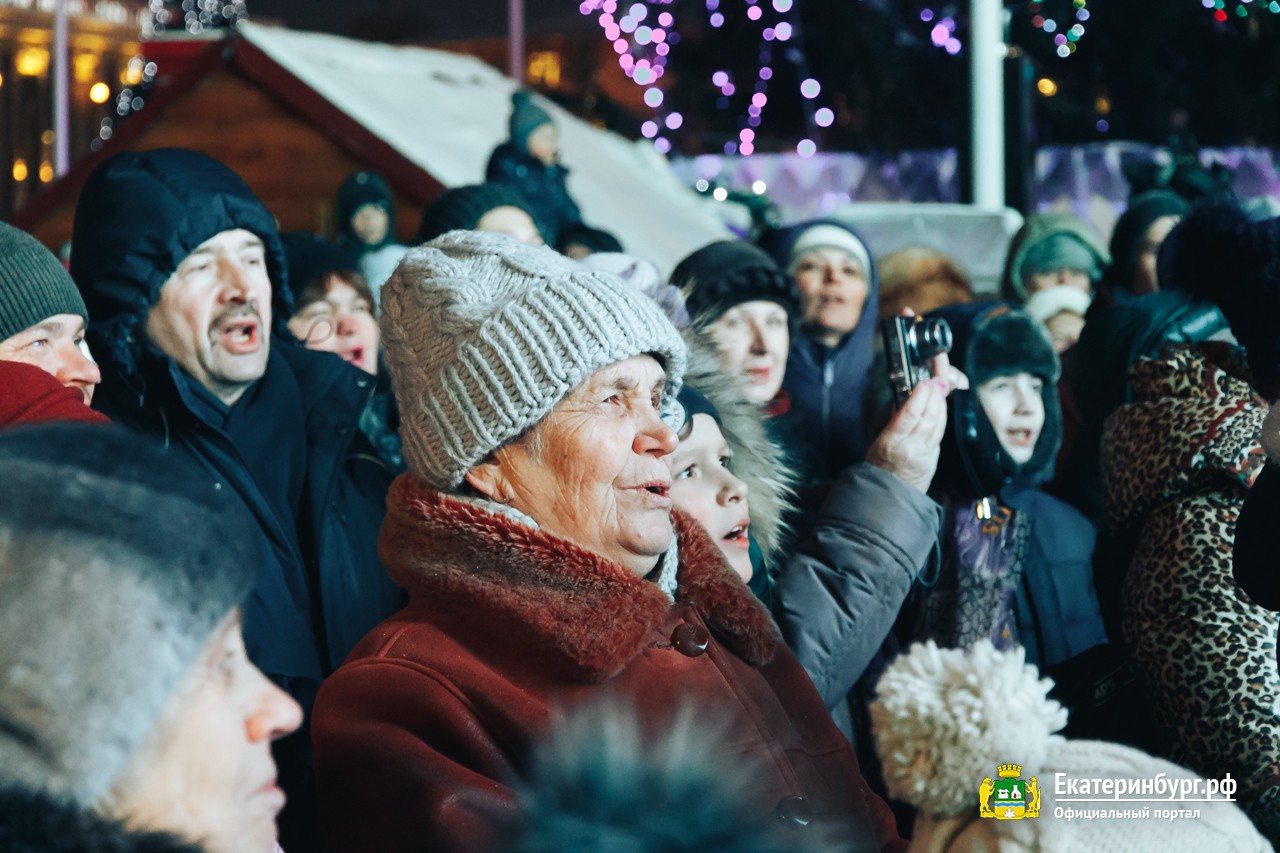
[656, 493]
[1020, 437]
[737, 534]
[354, 355]
[240, 336]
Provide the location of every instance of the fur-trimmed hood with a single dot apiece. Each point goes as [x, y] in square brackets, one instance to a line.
[587, 616]
[1038, 228]
[1195, 425]
[757, 460]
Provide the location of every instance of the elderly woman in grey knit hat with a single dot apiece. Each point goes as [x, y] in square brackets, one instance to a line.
[127, 703]
[546, 567]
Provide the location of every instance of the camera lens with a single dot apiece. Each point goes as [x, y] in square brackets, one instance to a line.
[933, 338]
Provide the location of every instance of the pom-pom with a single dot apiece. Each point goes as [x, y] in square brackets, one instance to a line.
[945, 718]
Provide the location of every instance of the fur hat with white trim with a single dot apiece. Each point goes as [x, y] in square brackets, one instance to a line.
[946, 719]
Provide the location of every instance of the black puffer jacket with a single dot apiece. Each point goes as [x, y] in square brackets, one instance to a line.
[138, 217]
[542, 186]
[320, 587]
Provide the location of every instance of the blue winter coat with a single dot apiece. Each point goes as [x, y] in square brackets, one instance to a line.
[827, 386]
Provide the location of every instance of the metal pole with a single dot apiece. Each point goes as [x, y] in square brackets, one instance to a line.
[986, 63]
[61, 92]
[515, 23]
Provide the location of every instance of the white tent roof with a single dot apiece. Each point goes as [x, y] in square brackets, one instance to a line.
[446, 112]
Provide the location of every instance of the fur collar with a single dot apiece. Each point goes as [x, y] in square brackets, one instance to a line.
[591, 616]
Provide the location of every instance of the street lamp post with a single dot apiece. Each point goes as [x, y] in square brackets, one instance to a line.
[986, 64]
[61, 92]
[515, 39]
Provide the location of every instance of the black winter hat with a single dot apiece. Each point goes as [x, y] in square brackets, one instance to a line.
[309, 257]
[526, 117]
[1221, 256]
[462, 208]
[726, 273]
[594, 239]
[1131, 228]
[995, 339]
[358, 190]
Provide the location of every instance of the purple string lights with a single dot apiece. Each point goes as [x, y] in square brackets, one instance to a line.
[642, 35]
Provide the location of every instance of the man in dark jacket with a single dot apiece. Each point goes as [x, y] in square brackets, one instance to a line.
[183, 272]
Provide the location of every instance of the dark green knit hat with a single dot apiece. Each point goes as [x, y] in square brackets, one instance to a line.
[33, 284]
[526, 117]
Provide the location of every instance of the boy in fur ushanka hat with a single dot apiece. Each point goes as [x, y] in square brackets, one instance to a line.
[1016, 565]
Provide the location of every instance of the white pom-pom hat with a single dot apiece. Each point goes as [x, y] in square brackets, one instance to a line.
[945, 719]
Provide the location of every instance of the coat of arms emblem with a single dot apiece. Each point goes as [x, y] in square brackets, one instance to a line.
[1008, 797]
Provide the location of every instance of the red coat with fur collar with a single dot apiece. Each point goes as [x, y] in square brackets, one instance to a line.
[421, 733]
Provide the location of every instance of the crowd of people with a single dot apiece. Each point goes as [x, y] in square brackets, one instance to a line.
[503, 540]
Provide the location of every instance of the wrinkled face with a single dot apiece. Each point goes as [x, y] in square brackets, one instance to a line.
[833, 288]
[703, 486]
[1037, 281]
[370, 223]
[206, 772]
[513, 222]
[1064, 330]
[56, 345]
[214, 314]
[1015, 406]
[544, 144]
[753, 339]
[1145, 279]
[594, 471]
[342, 323]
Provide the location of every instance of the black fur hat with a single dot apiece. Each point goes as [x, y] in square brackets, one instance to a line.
[995, 339]
[726, 273]
[1221, 256]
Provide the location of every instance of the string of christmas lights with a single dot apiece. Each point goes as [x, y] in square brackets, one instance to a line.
[1059, 26]
[643, 34]
[1242, 8]
[195, 16]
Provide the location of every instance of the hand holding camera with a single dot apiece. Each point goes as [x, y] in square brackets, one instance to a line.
[922, 376]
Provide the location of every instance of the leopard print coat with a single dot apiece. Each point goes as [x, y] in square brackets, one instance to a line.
[1176, 464]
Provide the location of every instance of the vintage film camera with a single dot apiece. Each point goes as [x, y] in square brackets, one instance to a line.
[910, 345]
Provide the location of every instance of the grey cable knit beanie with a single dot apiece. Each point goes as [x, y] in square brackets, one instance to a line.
[485, 335]
[117, 563]
[33, 284]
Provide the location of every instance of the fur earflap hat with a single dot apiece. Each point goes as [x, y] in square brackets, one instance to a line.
[117, 564]
[945, 722]
[1221, 256]
[995, 339]
[727, 273]
[485, 335]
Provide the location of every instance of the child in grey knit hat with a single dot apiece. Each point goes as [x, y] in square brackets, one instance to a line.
[124, 686]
